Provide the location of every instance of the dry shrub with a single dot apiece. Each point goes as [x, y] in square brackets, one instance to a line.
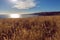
[28, 30]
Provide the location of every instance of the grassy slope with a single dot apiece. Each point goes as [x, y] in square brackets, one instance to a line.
[34, 28]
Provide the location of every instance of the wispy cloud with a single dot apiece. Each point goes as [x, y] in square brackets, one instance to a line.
[24, 4]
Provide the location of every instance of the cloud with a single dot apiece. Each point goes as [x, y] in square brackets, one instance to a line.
[24, 4]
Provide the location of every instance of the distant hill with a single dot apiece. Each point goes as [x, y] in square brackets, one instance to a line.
[34, 14]
[46, 13]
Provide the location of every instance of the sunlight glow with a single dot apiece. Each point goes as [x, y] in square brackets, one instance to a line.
[13, 1]
[15, 16]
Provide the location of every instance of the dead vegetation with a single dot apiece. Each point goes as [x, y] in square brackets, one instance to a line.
[35, 28]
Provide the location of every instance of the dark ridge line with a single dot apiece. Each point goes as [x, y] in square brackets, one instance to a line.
[45, 13]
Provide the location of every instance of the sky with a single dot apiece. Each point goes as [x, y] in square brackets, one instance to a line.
[29, 6]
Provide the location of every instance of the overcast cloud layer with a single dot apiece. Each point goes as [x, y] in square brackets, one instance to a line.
[24, 4]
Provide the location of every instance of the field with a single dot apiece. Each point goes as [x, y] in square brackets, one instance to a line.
[34, 28]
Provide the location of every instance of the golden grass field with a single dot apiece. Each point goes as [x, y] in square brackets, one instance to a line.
[34, 28]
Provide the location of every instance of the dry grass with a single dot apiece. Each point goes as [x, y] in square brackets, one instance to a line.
[35, 28]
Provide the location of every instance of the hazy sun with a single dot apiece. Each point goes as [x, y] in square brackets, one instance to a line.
[13, 1]
[15, 16]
